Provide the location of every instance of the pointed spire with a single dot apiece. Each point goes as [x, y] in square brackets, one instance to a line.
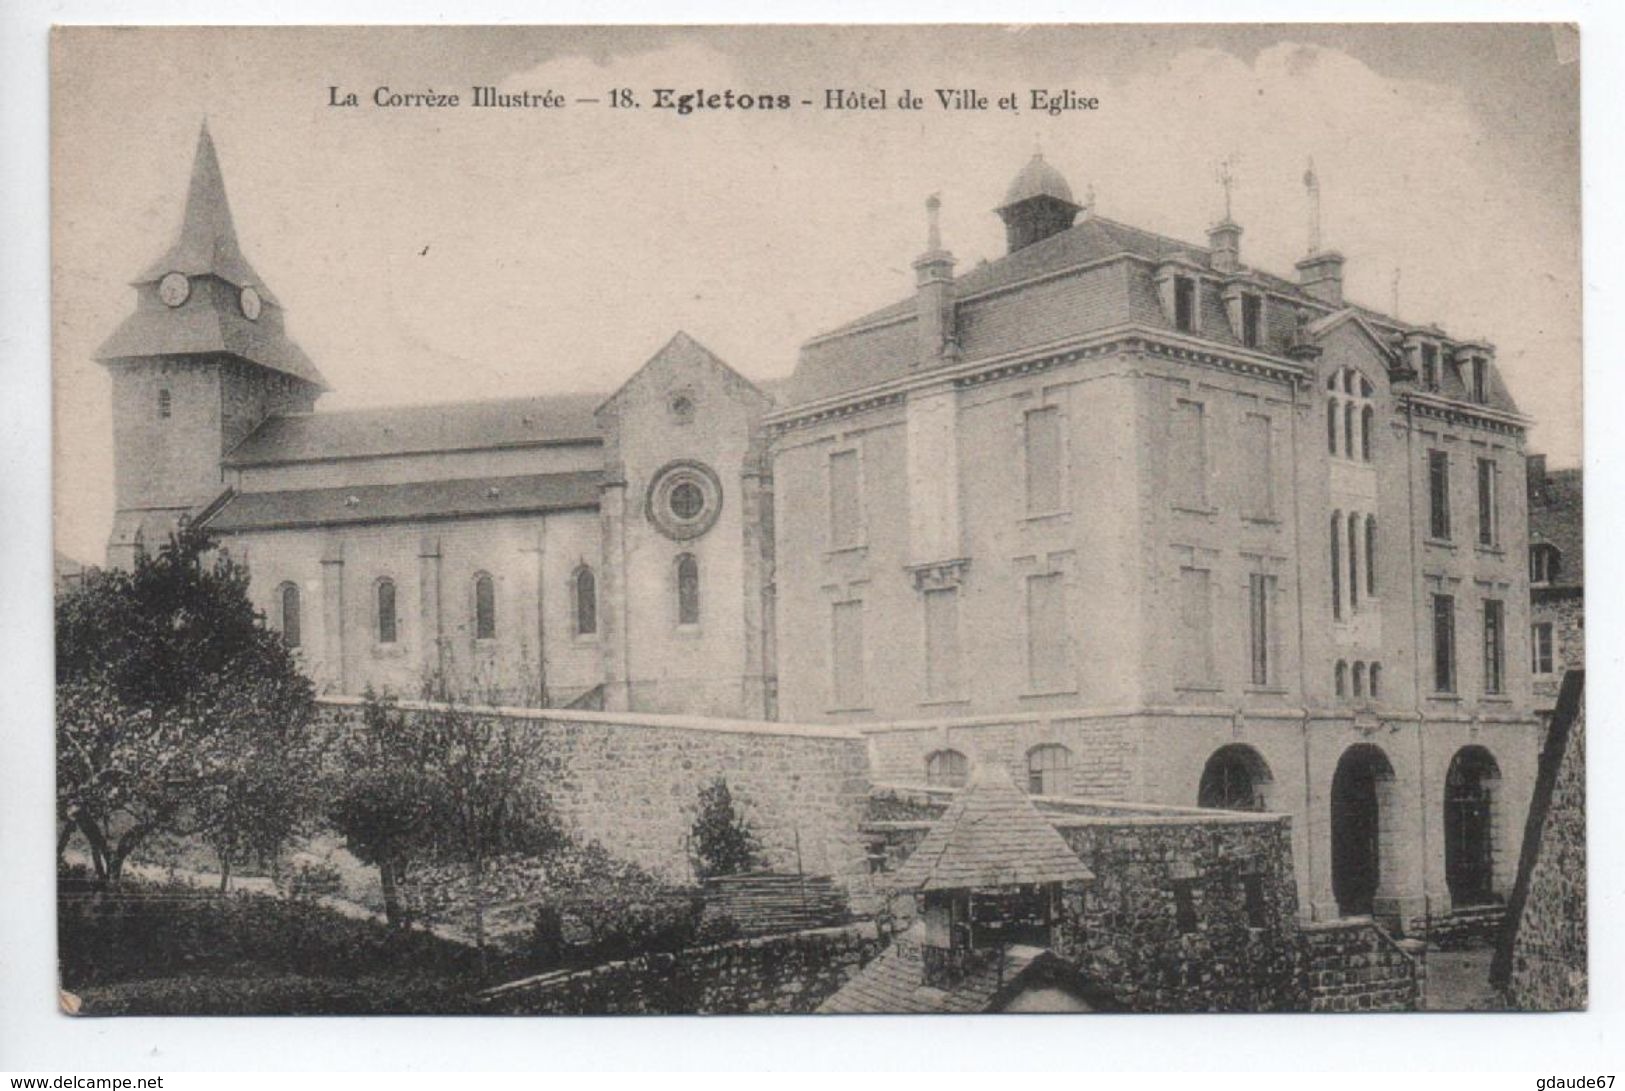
[207, 243]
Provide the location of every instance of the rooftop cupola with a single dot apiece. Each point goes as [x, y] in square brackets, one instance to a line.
[1038, 204]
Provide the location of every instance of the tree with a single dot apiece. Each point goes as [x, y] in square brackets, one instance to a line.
[442, 786]
[721, 841]
[177, 709]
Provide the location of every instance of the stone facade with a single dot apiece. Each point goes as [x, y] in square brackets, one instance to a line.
[1556, 577]
[1354, 966]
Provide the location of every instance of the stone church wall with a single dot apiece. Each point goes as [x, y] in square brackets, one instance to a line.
[632, 782]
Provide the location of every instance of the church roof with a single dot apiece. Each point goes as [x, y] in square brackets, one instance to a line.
[991, 836]
[420, 429]
[468, 498]
[202, 329]
[1038, 179]
[207, 244]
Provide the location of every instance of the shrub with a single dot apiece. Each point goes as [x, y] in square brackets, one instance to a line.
[722, 843]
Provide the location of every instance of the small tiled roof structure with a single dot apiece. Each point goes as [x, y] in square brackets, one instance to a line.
[991, 836]
[894, 983]
[413, 501]
[420, 429]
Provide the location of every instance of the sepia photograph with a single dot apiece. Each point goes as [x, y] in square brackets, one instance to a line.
[839, 520]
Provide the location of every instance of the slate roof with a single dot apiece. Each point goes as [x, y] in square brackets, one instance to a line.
[1557, 516]
[990, 836]
[851, 357]
[894, 983]
[198, 328]
[420, 429]
[207, 243]
[467, 498]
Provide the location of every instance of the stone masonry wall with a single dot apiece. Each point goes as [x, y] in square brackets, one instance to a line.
[1542, 966]
[632, 782]
[1190, 914]
[1353, 965]
[791, 973]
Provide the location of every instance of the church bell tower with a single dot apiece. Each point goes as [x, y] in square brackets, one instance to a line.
[199, 365]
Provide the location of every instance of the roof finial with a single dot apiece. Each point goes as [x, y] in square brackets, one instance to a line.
[933, 238]
[1311, 183]
[1227, 178]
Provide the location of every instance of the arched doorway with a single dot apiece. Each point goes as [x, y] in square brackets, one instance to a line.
[1469, 796]
[1234, 779]
[1359, 790]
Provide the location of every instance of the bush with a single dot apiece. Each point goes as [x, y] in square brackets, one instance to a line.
[721, 841]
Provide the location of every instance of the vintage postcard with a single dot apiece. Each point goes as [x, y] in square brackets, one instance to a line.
[886, 519]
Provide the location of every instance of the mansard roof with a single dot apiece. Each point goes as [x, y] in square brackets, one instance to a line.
[1065, 286]
[420, 429]
[990, 836]
[468, 498]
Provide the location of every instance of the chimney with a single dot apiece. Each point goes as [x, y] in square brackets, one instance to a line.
[1321, 276]
[1224, 240]
[934, 277]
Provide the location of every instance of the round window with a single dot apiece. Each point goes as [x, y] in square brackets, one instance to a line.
[684, 500]
[687, 501]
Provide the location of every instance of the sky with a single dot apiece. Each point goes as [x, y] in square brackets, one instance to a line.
[434, 255]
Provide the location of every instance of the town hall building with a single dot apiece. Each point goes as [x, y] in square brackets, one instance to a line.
[1120, 513]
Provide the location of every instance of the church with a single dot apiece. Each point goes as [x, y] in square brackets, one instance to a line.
[1122, 513]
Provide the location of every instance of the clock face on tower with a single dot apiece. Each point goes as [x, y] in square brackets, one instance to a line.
[250, 302]
[174, 289]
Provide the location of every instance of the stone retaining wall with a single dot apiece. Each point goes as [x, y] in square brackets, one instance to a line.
[791, 973]
[632, 782]
[1353, 965]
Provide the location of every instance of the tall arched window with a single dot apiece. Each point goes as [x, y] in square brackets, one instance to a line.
[485, 608]
[946, 769]
[584, 588]
[288, 598]
[1049, 770]
[1349, 411]
[1337, 565]
[1371, 555]
[1376, 680]
[1340, 679]
[688, 590]
[386, 611]
[1359, 679]
[1235, 778]
[1354, 561]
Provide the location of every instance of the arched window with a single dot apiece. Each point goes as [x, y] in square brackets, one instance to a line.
[1340, 679]
[485, 608]
[1049, 770]
[946, 769]
[1354, 561]
[688, 590]
[1337, 565]
[1362, 806]
[386, 611]
[584, 588]
[1371, 555]
[1376, 680]
[1359, 679]
[1349, 411]
[1234, 779]
[288, 598]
